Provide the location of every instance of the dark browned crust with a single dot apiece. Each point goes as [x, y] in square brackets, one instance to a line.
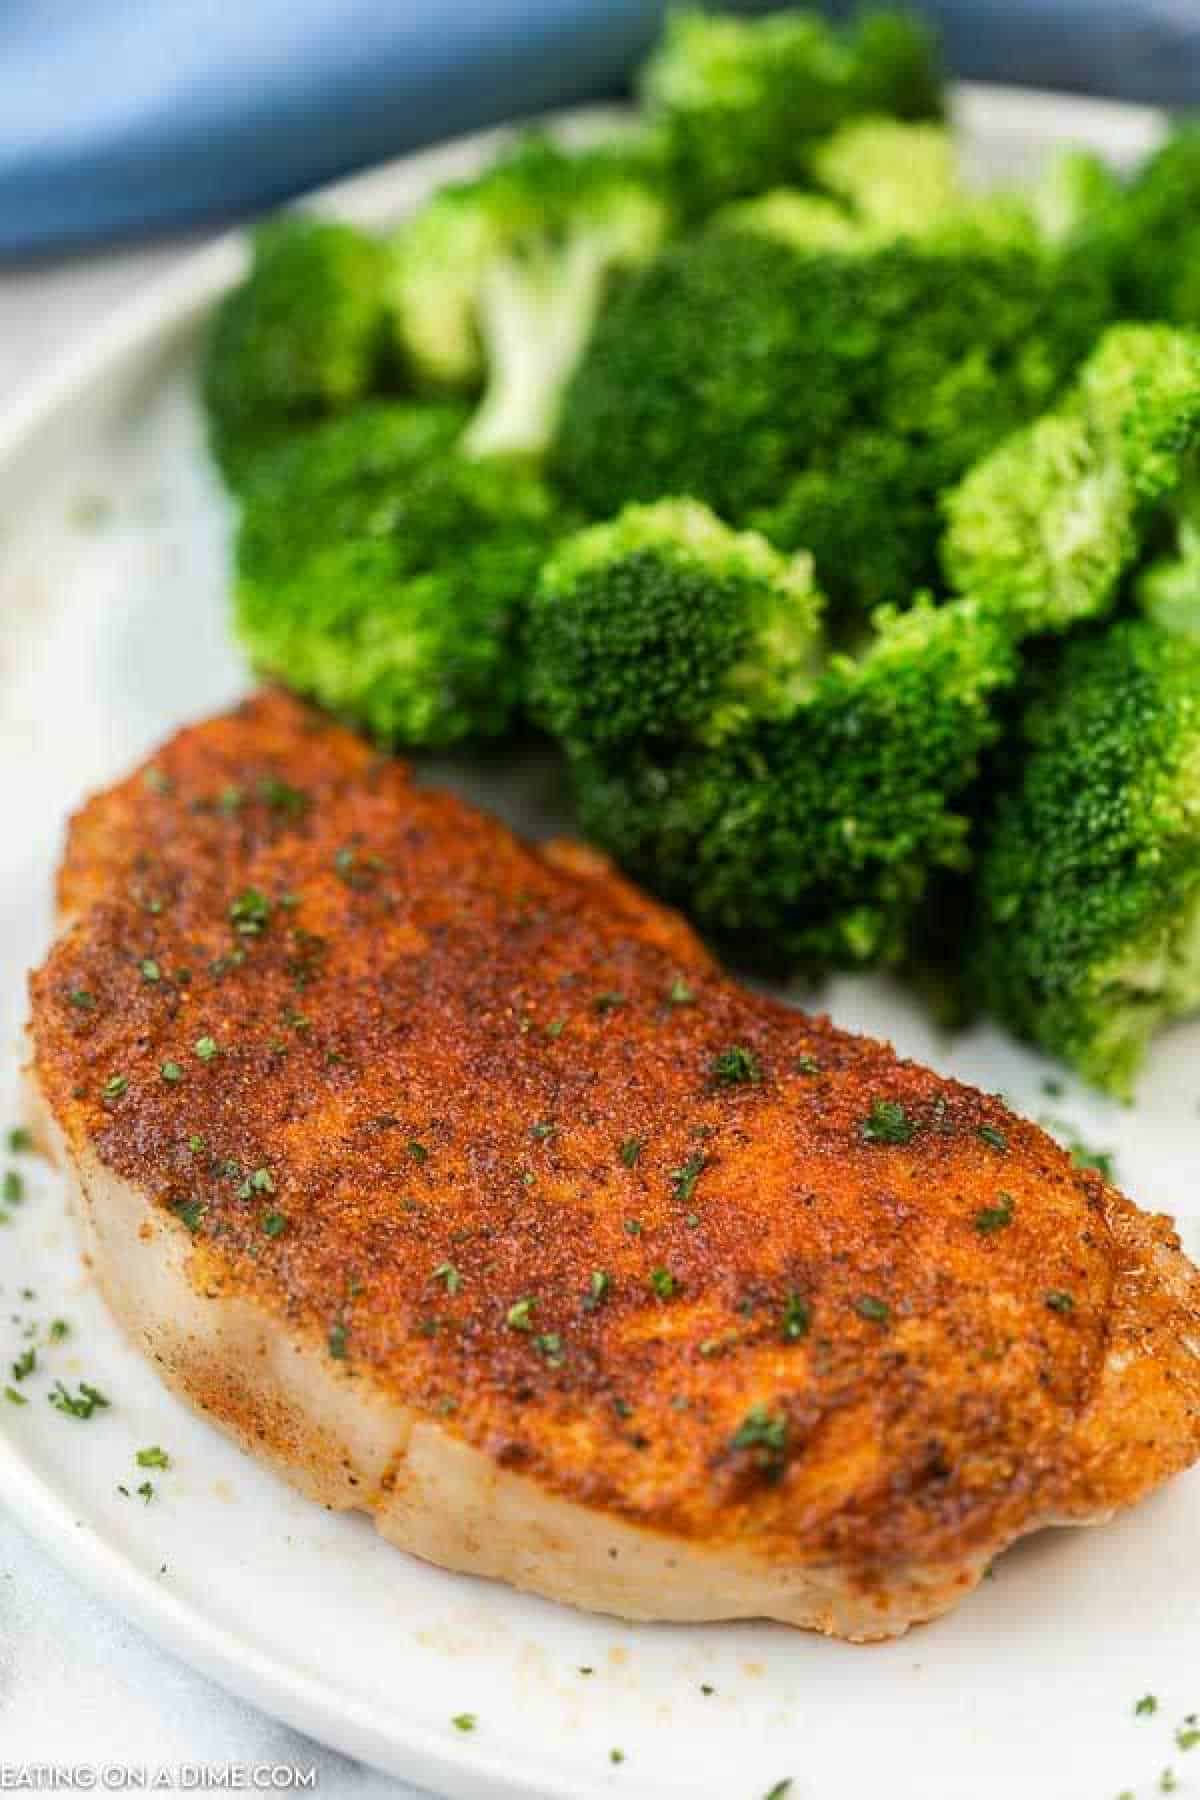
[436, 1046]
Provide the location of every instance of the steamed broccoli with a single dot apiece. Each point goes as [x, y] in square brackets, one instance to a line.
[1087, 932]
[302, 337]
[743, 103]
[666, 623]
[1167, 588]
[1074, 197]
[497, 281]
[771, 381]
[811, 839]
[1154, 234]
[383, 573]
[1046, 526]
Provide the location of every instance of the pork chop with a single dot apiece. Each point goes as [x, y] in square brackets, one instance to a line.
[452, 1177]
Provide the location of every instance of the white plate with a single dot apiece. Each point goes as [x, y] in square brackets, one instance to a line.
[112, 580]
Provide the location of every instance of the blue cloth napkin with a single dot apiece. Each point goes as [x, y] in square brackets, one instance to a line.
[121, 116]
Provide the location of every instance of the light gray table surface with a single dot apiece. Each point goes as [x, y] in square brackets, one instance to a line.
[79, 1686]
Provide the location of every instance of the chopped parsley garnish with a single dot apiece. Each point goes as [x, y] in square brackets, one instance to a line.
[663, 1283]
[146, 1492]
[1187, 1737]
[449, 1277]
[990, 1219]
[205, 1048]
[631, 1149]
[680, 994]
[598, 1288]
[1085, 1158]
[555, 1028]
[417, 1151]
[337, 1341]
[807, 1065]
[150, 970]
[171, 1071]
[633, 1227]
[292, 802]
[993, 1136]
[77, 1406]
[260, 1182]
[191, 1212]
[25, 1364]
[616, 1756]
[519, 1316]
[156, 781]
[887, 1123]
[82, 1000]
[115, 1086]
[464, 1721]
[59, 1329]
[608, 1002]
[766, 1434]
[14, 1187]
[274, 1224]
[20, 1140]
[543, 1131]
[153, 1458]
[10, 1393]
[736, 1067]
[250, 912]
[868, 1307]
[1060, 1302]
[780, 1789]
[684, 1179]
[797, 1318]
[549, 1345]
[1167, 1782]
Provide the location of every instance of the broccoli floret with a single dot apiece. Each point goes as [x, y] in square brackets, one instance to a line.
[1045, 527]
[665, 623]
[498, 280]
[1074, 197]
[1167, 589]
[384, 574]
[749, 373]
[302, 337]
[1155, 234]
[742, 103]
[791, 216]
[1087, 928]
[811, 840]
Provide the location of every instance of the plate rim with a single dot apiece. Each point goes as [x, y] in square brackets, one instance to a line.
[168, 304]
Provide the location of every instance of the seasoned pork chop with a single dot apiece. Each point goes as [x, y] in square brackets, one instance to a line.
[453, 1178]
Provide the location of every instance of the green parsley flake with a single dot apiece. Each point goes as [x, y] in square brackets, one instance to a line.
[59, 1329]
[766, 1434]
[20, 1140]
[153, 1458]
[1187, 1737]
[519, 1316]
[77, 1406]
[191, 1212]
[274, 1224]
[115, 1086]
[82, 1000]
[417, 1151]
[150, 970]
[25, 1364]
[887, 1123]
[663, 1283]
[449, 1276]
[337, 1342]
[464, 1721]
[993, 1136]
[543, 1131]
[171, 1071]
[608, 1002]
[631, 1150]
[598, 1288]
[684, 1179]
[736, 1067]
[205, 1048]
[1060, 1302]
[680, 994]
[780, 1789]
[868, 1307]
[250, 912]
[807, 1065]
[797, 1318]
[13, 1188]
[292, 802]
[990, 1219]
[11, 1394]
[616, 1756]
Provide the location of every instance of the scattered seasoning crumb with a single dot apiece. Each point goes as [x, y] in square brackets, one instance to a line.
[464, 1721]
[449, 1276]
[519, 1316]
[887, 1123]
[994, 1137]
[736, 1067]
[153, 1458]
[77, 1406]
[1146, 1705]
[631, 1149]
[171, 1071]
[868, 1307]
[797, 1317]
[20, 1140]
[1060, 1302]
[680, 994]
[205, 1048]
[114, 1087]
[990, 1219]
